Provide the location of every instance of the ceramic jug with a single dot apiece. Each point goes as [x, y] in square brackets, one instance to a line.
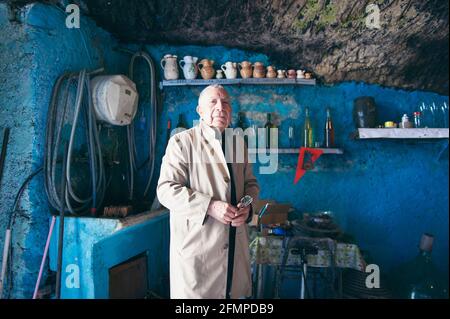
[245, 69]
[271, 72]
[291, 74]
[300, 74]
[258, 70]
[206, 69]
[219, 74]
[189, 67]
[230, 69]
[170, 67]
[281, 74]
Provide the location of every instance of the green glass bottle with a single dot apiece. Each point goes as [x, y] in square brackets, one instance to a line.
[329, 131]
[242, 124]
[181, 123]
[308, 132]
[270, 132]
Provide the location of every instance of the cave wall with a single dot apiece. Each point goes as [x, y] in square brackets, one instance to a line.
[335, 39]
[34, 51]
[385, 193]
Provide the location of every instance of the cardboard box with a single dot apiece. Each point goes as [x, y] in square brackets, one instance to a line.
[276, 213]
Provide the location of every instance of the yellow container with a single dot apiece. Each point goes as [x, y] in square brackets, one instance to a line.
[389, 124]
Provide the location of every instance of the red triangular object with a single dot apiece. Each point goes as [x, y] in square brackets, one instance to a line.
[315, 154]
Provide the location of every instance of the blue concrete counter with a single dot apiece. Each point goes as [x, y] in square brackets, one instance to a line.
[93, 245]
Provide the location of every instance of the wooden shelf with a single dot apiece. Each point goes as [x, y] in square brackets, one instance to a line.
[295, 150]
[402, 133]
[249, 81]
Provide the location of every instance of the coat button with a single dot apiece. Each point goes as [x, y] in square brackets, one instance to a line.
[225, 246]
[226, 179]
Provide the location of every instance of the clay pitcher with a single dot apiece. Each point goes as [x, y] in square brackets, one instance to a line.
[281, 74]
[300, 74]
[291, 74]
[230, 69]
[206, 69]
[189, 67]
[271, 72]
[245, 69]
[258, 70]
[170, 66]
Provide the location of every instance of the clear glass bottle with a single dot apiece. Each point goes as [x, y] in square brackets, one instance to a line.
[291, 135]
[444, 109]
[420, 278]
[418, 120]
[424, 284]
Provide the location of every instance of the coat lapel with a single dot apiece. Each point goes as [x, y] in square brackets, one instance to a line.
[213, 141]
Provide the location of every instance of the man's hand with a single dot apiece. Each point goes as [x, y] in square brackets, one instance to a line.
[222, 211]
[241, 216]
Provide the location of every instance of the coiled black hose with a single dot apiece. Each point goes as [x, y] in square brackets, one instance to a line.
[59, 116]
[152, 127]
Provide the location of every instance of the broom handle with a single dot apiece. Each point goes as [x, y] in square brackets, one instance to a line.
[47, 244]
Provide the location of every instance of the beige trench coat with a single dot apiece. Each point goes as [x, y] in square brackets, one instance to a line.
[193, 172]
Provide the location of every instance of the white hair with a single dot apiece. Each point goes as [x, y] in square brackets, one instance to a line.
[212, 86]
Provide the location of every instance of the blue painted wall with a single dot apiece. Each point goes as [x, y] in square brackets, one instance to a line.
[385, 193]
[33, 52]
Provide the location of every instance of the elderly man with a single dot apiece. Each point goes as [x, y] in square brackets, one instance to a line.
[209, 253]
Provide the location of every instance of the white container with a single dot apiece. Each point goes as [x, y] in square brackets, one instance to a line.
[189, 67]
[115, 99]
[170, 67]
[230, 69]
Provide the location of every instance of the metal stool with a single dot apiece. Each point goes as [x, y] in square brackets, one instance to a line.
[303, 246]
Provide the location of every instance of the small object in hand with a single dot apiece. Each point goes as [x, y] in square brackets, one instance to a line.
[245, 201]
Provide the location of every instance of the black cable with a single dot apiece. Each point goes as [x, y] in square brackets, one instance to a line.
[19, 194]
[3, 154]
[11, 221]
[61, 227]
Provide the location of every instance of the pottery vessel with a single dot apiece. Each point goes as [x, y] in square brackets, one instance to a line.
[189, 67]
[170, 66]
[259, 70]
[271, 72]
[230, 69]
[245, 69]
[206, 68]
